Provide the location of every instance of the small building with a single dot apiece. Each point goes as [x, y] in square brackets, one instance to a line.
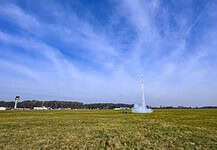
[124, 107]
[40, 108]
[3, 108]
[121, 108]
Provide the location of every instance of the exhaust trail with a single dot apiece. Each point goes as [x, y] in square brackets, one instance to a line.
[141, 108]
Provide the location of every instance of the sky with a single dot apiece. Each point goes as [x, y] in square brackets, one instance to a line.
[98, 50]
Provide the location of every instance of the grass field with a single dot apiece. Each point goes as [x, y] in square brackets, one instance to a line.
[108, 129]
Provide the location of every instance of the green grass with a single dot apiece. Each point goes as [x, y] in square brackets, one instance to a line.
[108, 129]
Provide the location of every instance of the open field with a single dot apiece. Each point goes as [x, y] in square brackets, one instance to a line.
[108, 129]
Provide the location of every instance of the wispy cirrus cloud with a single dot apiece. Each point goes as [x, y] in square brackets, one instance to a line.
[81, 57]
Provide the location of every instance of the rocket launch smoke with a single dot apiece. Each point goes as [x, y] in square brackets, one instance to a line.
[141, 108]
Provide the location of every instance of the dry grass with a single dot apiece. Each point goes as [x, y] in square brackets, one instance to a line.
[107, 129]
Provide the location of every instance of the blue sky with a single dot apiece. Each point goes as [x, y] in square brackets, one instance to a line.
[96, 51]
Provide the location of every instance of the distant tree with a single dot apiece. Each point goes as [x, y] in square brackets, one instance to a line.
[62, 104]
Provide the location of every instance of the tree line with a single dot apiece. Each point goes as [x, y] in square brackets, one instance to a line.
[78, 105]
[62, 104]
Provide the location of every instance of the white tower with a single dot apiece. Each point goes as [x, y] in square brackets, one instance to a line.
[17, 98]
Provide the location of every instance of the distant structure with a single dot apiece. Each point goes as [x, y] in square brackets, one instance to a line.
[3, 108]
[141, 108]
[121, 108]
[17, 98]
[40, 108]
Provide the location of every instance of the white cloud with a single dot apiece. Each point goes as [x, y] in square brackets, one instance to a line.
[171, 67]
[18, 16]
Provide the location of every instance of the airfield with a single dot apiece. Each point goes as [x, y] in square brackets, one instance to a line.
[109, 129]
